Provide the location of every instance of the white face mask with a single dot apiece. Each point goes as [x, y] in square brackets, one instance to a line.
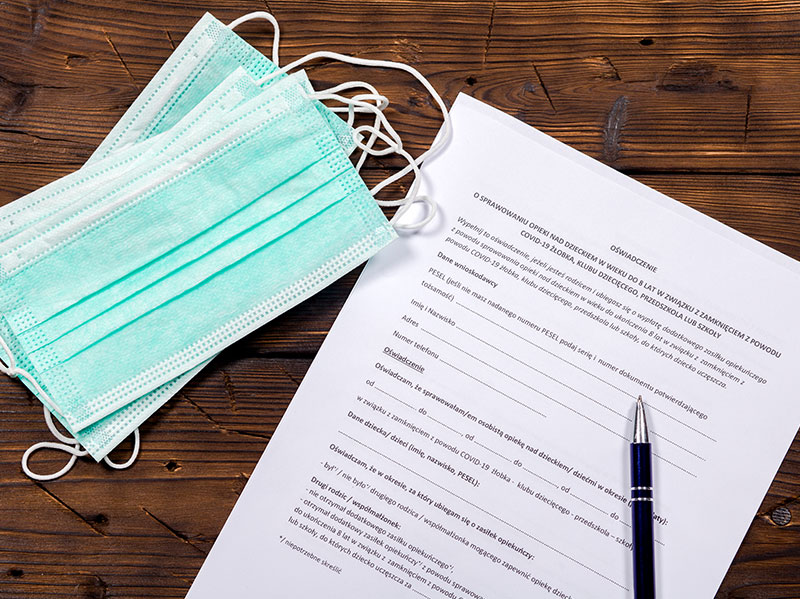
[90, 417]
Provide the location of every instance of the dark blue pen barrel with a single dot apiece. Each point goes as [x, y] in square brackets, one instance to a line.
[641, 468]
[644, 583]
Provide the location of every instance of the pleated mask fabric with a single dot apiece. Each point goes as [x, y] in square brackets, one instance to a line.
[17, 218]
[184, 257]
[223, 197]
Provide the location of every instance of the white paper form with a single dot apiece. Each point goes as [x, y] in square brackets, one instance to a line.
[464, 431]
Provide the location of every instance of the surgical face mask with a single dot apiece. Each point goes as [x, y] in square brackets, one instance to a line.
[16, 220]
[172, 92]
[219, 236]
[356, 104]
[100, 438]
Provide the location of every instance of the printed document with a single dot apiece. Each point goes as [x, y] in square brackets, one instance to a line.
[464, 431]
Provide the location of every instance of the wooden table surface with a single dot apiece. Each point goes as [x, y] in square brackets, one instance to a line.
[700, 100]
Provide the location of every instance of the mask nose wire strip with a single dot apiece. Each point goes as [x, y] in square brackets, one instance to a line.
[260, 14]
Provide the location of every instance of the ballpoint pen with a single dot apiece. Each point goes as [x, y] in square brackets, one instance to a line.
[644, 580]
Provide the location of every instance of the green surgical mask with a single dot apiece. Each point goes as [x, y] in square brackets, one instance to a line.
[310, 212]
[216, 217]
[16, 219]
[16, 222]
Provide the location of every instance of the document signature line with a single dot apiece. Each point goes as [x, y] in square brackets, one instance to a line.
[563, 405]
[544, 374]
[488, 513]
[408, 405]
[482, 382]
[591, 374]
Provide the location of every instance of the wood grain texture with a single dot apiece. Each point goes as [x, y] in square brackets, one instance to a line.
[699, 100]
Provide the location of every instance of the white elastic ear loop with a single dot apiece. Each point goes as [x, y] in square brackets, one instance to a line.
[74, 451]
[357, 104]
[134, 454]
[394, 145]
[67, 445]
[48, 418]
[437, 144]
[261, 14]
[380, 100]
[72, 447]
[411, 197]
[362, 106]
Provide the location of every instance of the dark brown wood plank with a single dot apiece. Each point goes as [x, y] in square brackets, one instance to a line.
[691, 85]
[69, 70]
[685, 85]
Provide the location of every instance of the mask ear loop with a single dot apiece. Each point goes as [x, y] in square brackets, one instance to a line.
[73, 448]
[393, 145]
[414, 164]
[381, 102]
[260, 14]
[67, 444]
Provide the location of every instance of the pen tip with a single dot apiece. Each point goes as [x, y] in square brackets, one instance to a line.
[640, 433]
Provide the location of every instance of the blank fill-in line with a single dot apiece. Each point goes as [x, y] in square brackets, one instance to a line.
[549, 482]
[444, 425]
[476, 379]
[499, 455]
[668, 440]
[408, 405]
[591, 374]
[692, 474]
[563, 405]
[488, 513]
[544, 374]
[394, 398]
[589, 504]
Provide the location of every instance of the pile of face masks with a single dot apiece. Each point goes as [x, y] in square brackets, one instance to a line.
[224, 196]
